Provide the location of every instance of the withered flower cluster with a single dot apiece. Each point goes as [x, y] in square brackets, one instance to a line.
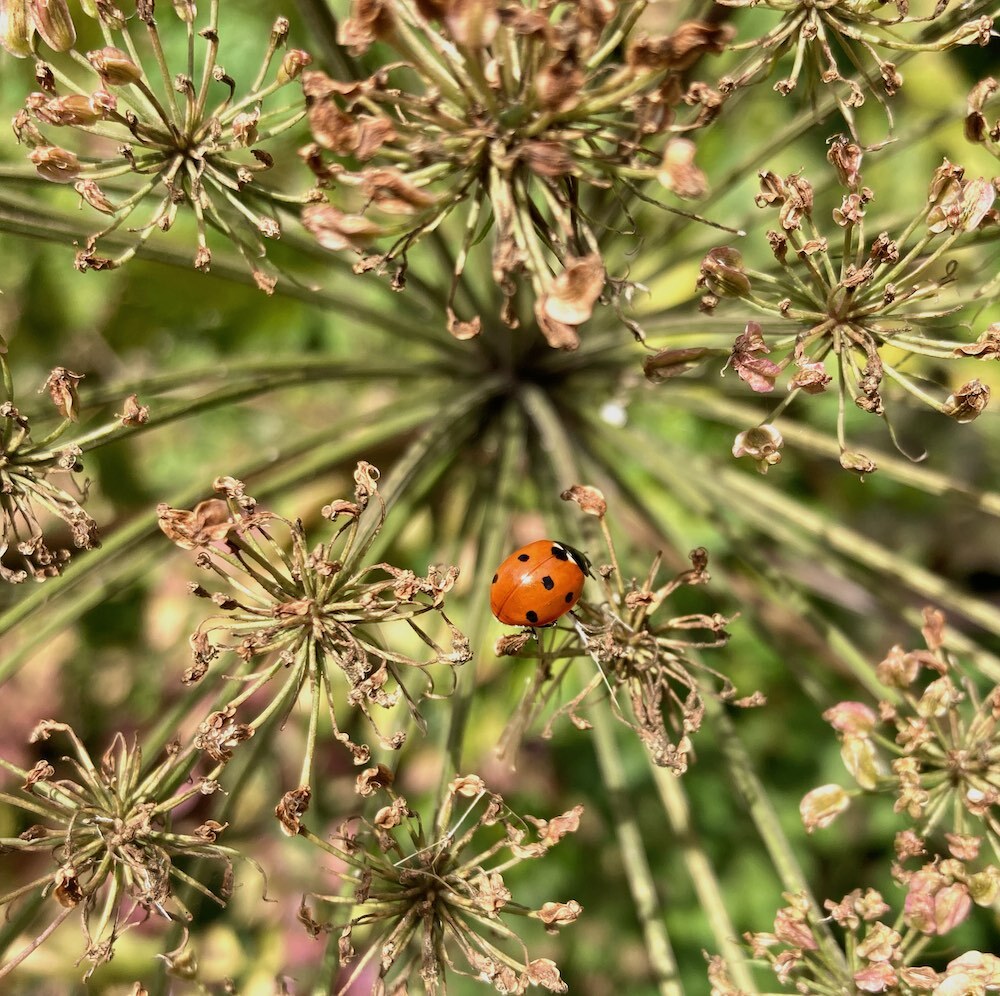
[434, 904]
[856, 34]
[505, 111]
[933, 743]
[147, 136]
[29, 493]
[302, 619]
[107, 828]
[647, 665]
[944, 781]
[836, 302]
[881, 949]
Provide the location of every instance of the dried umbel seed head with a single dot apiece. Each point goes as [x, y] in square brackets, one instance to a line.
[515, 97]
[312, 617]
[165, 152]
[107, 843]
[447, 882]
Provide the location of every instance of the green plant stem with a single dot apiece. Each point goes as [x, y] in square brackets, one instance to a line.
[637, 871]
[703, 401]
[703, 878]
[768, 826]
[493, 533]
[113, 565]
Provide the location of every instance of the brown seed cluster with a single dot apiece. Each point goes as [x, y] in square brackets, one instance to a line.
[30, 495]
[849, 308]
[433, 902]
[823, 38]
[106, 827]
[307, 619]
[184, 141]
[515, 115]
[642, 660]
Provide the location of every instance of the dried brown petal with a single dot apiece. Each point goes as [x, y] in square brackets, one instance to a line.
[678, 172]
[590, 499]
[968, 402]
[572, 295]
[292, 807]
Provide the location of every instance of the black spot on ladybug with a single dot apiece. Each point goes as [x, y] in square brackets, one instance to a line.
[495, 576]
[569, 596]
[531, 616]
[547, 583]
[560, 553]
[524, 557]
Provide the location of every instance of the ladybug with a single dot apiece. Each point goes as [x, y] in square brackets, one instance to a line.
[537, 584]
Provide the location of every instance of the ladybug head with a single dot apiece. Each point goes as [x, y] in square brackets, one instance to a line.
[581, 559]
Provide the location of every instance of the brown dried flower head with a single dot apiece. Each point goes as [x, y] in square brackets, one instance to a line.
[29, 494]
[858, 314]
[434, 903]
[313, 616]
[505, 113]
[106, 826]
[178, 138]
[640, 657]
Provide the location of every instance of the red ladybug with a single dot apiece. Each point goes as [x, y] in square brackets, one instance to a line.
[537, 584]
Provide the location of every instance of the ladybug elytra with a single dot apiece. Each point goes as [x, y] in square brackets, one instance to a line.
[537, 584]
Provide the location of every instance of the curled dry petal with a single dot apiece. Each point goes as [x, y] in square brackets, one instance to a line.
[292, 808]
[557, 334]
[571, 298]
[559, 914]
[678, 172]
[851, 717]
[968, 402]
[54, 164]
[762, 444]
[820, 807]
[208, 522]
[591, 500]
[335, 230]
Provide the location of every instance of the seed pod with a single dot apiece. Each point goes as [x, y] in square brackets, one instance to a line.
[54, 164]
[15, 33]
[292, 64]
[51, 19]
[115, 66]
